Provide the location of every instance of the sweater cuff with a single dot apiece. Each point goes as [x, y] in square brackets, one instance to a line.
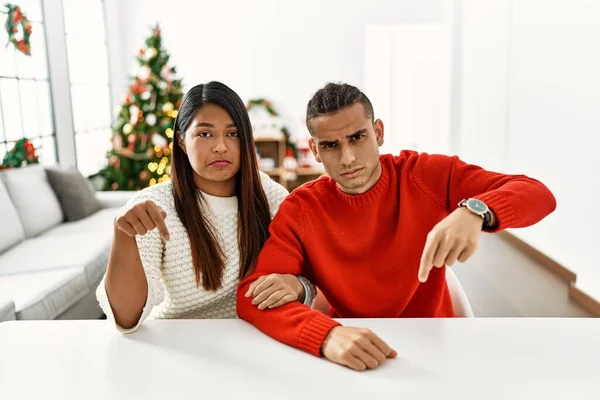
[314, 333]
[102, 296]
[502, 209]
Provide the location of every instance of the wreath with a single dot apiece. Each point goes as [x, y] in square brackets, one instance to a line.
[266, 104]
[18, 28]
[23, 153]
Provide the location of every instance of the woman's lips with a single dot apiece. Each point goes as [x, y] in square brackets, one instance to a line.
[220, 163]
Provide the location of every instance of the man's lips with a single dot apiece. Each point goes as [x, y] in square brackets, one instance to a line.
[352, 173]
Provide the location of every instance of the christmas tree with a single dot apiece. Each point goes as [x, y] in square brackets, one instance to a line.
[143, 131]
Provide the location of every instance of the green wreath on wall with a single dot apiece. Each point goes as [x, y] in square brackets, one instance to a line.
[18, 28]
[267, 105]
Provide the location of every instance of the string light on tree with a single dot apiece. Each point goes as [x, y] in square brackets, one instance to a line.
[167, 108]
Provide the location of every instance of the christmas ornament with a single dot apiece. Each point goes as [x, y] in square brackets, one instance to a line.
[151, 119]
[151, 53]
[134, 112]
[144, 73]
[114, 161]
[158, 140]
[117, 142]
[167, 73]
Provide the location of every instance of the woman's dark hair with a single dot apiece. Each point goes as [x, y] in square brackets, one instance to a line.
[253, 208]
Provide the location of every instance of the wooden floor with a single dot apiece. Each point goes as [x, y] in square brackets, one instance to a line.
[500, 281]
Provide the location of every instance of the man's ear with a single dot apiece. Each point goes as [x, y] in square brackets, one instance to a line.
[378, 128]
[181, 142]
[313, 148]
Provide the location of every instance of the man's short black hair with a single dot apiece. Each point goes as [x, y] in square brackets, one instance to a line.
[335, 97]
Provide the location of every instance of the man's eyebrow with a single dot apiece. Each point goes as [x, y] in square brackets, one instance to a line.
[364, 130]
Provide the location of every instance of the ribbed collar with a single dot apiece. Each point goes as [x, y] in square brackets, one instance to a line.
[221, 205]
[372, 194]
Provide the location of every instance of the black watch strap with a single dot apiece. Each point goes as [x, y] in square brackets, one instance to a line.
[486, 220]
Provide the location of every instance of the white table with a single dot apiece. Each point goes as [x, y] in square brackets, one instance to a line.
[213, 359]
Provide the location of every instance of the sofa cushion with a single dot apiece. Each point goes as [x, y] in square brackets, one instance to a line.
[116, 199]
[33, 197]
[47, 294]
[12, 230]
[75, 194]
[7, 310]
[100, 222]
[54, 252]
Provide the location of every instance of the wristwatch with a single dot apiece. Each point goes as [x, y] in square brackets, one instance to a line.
[309, 291]
[478, 207]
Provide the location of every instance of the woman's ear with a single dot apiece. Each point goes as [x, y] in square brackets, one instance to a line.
[181, 141]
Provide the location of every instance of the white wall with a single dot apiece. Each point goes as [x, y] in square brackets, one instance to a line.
[407, 77]
[483, 82]
[280, 50]
[530, 103]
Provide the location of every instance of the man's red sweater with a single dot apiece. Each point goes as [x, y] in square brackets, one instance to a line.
[363, 251]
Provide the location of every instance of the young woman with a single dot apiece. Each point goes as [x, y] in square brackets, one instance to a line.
[181, 247]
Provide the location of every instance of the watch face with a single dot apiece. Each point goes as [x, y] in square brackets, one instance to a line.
[477, 206]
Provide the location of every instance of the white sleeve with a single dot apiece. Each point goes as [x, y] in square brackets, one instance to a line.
[151, 248]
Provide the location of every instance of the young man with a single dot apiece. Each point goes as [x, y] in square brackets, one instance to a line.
[376, 234]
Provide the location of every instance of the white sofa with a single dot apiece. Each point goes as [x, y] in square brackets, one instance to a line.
[49, 269]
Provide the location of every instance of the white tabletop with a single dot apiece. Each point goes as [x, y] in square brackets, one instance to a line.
[230, 359]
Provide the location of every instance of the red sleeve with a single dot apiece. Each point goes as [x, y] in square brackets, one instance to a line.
[516, 200]
[294, 324]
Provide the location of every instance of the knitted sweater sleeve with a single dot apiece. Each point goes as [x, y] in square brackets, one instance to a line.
[150, 248]
[294, 323]
[275, 195]
[517, 200]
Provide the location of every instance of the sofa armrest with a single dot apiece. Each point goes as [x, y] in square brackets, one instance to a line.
[7, 310]
[114, 199]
